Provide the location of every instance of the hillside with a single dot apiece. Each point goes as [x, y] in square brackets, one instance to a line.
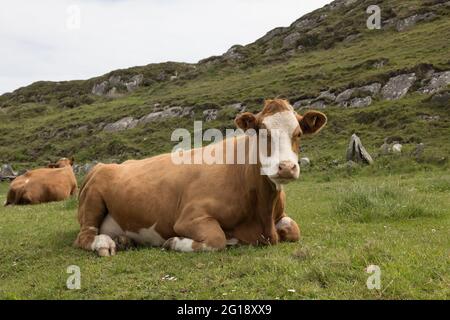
[388, 84]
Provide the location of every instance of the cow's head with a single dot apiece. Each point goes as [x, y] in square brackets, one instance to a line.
[283, 130]
[61, 163]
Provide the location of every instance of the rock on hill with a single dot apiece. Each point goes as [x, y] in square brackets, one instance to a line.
[392, 82]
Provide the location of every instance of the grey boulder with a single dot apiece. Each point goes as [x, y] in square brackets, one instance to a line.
[397, 87]
[122, 124]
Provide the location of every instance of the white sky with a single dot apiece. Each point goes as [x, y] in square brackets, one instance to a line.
[37, 41]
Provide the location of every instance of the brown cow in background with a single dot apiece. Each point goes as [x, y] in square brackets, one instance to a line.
[55, 183]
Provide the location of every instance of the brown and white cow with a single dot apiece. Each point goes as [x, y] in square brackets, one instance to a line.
[197, 207]
[57, 182]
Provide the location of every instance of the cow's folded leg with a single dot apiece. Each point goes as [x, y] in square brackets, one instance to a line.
[124, 243]
[287, 229]
[198, 234]
[91, 213]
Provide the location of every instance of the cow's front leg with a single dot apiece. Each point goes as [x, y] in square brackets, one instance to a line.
[91, 213]
[197, 234]
[287, 230]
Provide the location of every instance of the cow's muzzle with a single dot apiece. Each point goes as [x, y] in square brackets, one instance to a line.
[288, 170]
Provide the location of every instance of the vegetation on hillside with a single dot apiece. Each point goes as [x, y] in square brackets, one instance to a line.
[47, 120]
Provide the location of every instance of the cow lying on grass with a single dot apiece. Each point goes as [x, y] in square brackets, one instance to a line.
[198, 207]
[55, 183]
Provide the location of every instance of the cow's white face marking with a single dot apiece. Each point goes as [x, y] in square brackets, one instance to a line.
[281, 126]
[145, 236]
[26, 181]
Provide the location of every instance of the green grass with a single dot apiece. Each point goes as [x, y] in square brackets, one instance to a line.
[340, 239]
[362, 203]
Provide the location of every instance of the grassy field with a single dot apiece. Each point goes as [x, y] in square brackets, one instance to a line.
[399, 222]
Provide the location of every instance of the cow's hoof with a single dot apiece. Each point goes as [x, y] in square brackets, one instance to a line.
[124, 243]
[104, 246]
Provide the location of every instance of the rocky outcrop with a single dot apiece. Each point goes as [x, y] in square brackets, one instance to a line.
[344, 96]
[409, 22]
[172, 112]
[6, 170]
[130, 122]
[418, 151]
[100, 88]
[319, 104]
[397, 87]
[337, 4]
[306, 24]
[356, 151]
[397, 148]
[359, 97]
[300, 104]
[159, 113]
[304, 162]
[380, 63]
[327, 96]
[113, 93]
[360, 102]
[272, 34]
[84, 169]
[239, 107]
[291, 40]
[135, 82]
[429, 118]
[438, 81]
[122, 124]
[372, 89]
[234, 53]
[110, 87]
[210, 114]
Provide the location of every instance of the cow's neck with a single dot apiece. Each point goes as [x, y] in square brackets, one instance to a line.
[267, 190]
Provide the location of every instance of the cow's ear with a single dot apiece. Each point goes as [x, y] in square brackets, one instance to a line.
[312, 122]
[72, 160]
[52, 165]
[246, 121]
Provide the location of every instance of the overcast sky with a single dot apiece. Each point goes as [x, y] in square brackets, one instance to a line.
[64, 40]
